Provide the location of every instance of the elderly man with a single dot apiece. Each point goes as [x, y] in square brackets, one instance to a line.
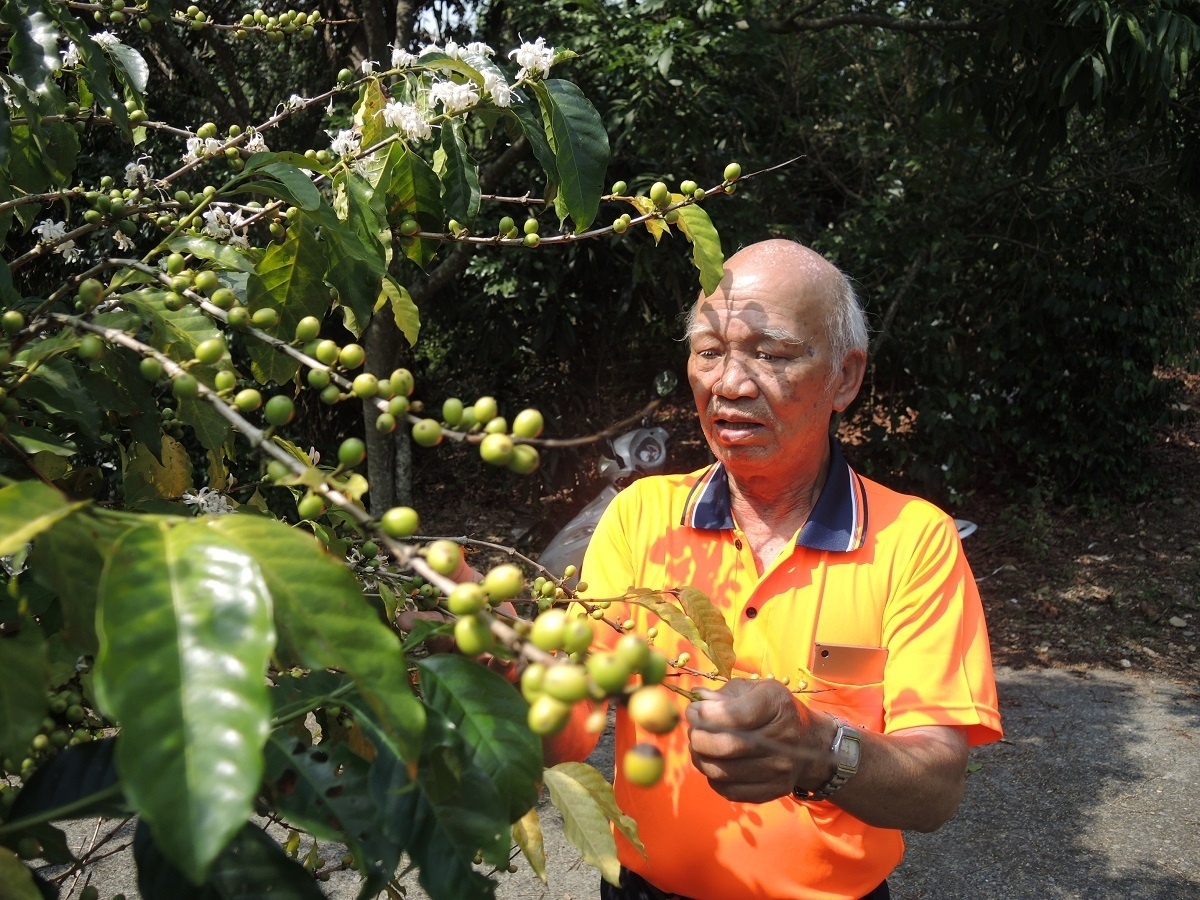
[862, 670]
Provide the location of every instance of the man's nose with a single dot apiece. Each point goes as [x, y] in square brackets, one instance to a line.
[736, 380]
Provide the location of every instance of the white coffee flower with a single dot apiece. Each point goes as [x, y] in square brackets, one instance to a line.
[106, 39]
[69, 251]
[194, 148]
[452, 50]
[136, 175]
[368, 66]
[478, 48]
[494, 84]
[216, 223]
[453, 97]
[209, 502]
[123, 241]
[70, 57]
[534, 59]
[345, 143]
[49, 230]
[295, 102]
[255, 142]
[410, 120]
[401, 58]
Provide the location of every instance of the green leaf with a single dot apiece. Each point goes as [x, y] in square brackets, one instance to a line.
[166, 477]
[696, 225]
[16, 878]
[353, 269]
[55, 384]
[716, 640]
[78, 782]
[186, 633]
[34, 440]
[460, 176]
[404, 310]
[291, 182]
[491, 716]
[173, 332]
[206, 248]
[33, 45]
[440, 830]
[28, 508]
[323, 621]
[289, 282]
[94, 72]
[415, 188]
[210, 427]
[580, 146]
[363, 212]
[324, 791]
[86, 540]
[252, 867]
[300, 186]
[585, 800]
[131, 63]
[438, 61]
[22, 688]
[535, 133]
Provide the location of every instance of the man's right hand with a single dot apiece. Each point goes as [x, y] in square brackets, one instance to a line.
[755, 743]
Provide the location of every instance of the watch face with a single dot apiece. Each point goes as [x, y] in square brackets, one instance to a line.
[848, 752]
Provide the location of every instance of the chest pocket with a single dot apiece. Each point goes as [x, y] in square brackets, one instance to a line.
[859, 704]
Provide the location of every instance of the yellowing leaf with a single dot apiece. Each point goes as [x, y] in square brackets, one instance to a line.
[715, 636]
[655, 226]
[148, 479]
[695, 620]
[587, 804]
[408, 317]
[527, 834]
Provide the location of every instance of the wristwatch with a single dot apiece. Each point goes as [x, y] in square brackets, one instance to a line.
[846, 746]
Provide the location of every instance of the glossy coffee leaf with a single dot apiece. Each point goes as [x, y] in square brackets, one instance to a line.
[186, 633]
[324, 621]
[491, 715]
[28, 508]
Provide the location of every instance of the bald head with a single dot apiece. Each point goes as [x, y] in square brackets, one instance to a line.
[796, 271]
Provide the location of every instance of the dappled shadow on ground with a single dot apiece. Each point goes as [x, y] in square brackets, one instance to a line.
[1090, 795]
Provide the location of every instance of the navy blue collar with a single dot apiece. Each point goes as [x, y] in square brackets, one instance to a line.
[837, 523]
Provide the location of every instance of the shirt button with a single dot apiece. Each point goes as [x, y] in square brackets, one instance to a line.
[751, 612]
[738, 544]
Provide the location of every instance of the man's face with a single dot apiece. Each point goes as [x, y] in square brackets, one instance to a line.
[759, 367]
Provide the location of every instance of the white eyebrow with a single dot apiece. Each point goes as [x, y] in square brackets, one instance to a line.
[783, 336]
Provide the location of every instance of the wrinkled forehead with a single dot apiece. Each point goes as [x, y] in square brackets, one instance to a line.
[751, 319]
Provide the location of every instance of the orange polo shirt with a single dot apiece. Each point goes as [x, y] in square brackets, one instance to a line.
[872, 569]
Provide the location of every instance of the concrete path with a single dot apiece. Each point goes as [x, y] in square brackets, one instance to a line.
[1094, 793]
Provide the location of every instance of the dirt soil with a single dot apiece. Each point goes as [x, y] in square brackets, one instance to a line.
[1061, 588]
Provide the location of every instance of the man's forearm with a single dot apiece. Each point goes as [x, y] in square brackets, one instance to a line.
[911, 779]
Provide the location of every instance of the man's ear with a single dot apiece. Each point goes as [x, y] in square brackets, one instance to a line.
[849, 379]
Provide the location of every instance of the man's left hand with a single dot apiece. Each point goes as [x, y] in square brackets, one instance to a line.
[755, 743]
